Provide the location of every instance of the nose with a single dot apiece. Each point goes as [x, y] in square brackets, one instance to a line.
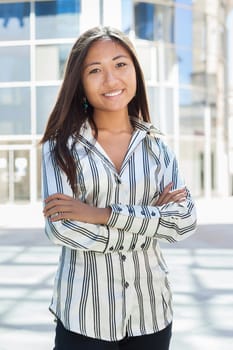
[110, 77]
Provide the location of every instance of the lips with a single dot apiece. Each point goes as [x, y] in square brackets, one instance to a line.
[113, 93]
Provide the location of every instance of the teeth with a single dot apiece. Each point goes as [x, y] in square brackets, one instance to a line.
[110, 94]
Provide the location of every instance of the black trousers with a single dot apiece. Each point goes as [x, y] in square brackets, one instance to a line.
[66, 340]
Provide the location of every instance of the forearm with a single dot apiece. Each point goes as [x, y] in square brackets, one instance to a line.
[59, 206]
[93, 215]
[169, 222]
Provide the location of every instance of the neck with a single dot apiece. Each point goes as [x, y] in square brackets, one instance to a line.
[113, 122]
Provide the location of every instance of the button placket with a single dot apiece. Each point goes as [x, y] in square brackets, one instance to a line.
[118, 179]
[123, 257]
[127, 261]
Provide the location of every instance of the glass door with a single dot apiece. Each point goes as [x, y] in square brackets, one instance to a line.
[4, 176]
[14, 175]
[21, 178]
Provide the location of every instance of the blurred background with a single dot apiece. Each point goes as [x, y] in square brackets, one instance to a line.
[186, 51]
[185, 48]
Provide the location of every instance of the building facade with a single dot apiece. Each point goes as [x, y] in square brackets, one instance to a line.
[182, 48]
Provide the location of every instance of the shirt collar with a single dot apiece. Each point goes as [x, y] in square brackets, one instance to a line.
[149, 128]
[141, 130]
[139, 125]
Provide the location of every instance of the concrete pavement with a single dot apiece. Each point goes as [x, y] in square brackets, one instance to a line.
[201, 271]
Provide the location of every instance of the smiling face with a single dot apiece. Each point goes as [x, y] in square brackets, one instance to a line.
[109, 77]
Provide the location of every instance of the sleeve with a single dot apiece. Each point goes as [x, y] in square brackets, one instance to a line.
[170, 222]
[75, 234]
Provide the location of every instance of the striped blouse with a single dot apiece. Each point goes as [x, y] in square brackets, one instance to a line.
[112, 279]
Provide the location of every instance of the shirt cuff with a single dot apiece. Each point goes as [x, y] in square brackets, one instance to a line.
[134, 218]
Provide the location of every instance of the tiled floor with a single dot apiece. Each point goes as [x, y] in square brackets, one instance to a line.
[202, 282]
[201, 275]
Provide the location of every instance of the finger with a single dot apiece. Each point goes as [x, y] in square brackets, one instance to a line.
[54, 217]
[59, 196]
[59, 216]
[171, 196]
[164, 193]
[62, 216]
[52, 205]
[176, 196]
[167, 188]
[181, 191]
[176, 192]
[53, 201]
[56, 207]
[178, 199]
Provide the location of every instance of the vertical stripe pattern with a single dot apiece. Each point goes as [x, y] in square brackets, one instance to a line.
[112, 279]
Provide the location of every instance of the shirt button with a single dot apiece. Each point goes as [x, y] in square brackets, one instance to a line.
[118, 180]
[121, 247]
[111, 248]
[126, 284]
[152, 213]
[143, 245]
[123, 257]
[133, 246]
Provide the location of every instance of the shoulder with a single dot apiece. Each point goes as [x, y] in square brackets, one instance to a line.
[48, 146]
[158, 143]
[47, 153]
[145, 126]
[159, 146]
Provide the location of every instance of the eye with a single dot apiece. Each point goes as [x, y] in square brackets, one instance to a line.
[121, 64]
[94, 71]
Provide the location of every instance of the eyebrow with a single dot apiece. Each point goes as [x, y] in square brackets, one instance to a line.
[114, 59]
[119, 56]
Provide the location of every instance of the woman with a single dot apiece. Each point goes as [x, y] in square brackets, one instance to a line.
[112, 191]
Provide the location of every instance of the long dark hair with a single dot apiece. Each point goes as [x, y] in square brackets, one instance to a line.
[68, 114]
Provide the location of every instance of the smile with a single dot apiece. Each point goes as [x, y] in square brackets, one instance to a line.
[112, 94]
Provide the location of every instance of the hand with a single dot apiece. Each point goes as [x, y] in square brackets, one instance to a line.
[59, 206]
[168, 196]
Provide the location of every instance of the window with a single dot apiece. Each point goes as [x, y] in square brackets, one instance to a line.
[148, 57]
[15, 111]
[191, 163]
[154, 105]
[185, 60]
[185, 2]
[183, 27]
[144, 20]
[15, 63]
[53, 68]
[127, 15]
[192, 112]
[161, 103]
[14, 21]
[154, 22]
[46, 96]
[57, 19]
